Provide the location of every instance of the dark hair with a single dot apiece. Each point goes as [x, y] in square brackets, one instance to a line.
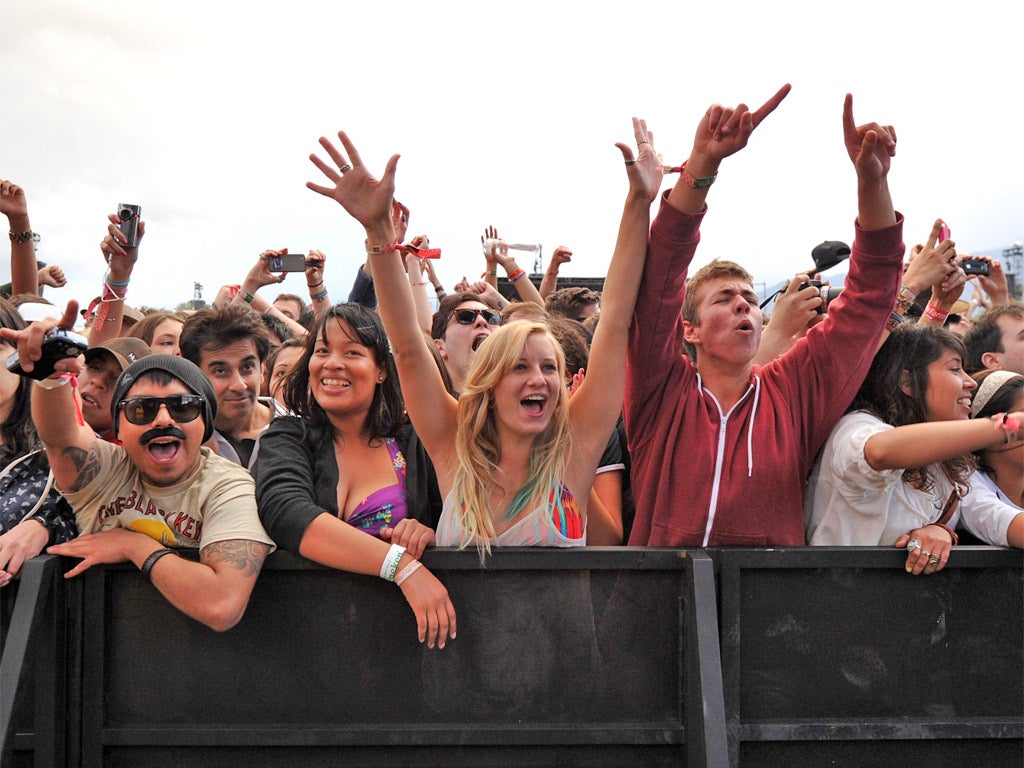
[902, 361]
[387, 412]
[1003, 400]
[218, 328]
[18, 429]
[277, 326]
[986, 335]
[569, 302]
[573, 341]
[447, 305]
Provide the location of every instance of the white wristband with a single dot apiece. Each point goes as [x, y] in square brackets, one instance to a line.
[390, 564]
[406, 572]
[52, 383]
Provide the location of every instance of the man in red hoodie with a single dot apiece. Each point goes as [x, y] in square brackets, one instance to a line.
[722, 447]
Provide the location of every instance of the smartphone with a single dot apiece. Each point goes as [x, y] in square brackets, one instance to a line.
[943, 232]
[975, 267]
[129, 215]
[58, 344]
[287, 262]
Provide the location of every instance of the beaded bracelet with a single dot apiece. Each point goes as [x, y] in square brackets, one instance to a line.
[20, 237]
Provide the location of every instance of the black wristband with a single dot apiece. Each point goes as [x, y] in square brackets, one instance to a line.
[149, 562]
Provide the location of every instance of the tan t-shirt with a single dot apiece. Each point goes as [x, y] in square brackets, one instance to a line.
[216, 503]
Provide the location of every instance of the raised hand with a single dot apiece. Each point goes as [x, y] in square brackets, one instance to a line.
[644, 172]
[365, 198]
[12, 199]
[53, 276]
[871, 146]
[931, 263]
[723, 131]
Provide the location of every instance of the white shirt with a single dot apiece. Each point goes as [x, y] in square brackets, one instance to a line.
[850, 504]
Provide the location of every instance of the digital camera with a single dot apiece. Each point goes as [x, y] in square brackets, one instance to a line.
[826, 292]
[58, 344]
[129, 215]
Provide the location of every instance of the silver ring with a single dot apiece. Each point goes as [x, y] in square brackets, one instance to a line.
[642, 141]
[630, 162]
[346, 167]
[913, 544]
[926, 553]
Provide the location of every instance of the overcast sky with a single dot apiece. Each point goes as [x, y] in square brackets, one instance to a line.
[205, 113]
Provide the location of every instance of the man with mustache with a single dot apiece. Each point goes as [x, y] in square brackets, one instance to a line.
[158, 492]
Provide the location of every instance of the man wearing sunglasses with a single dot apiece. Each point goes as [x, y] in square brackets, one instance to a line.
[160, 491]
[460, 325]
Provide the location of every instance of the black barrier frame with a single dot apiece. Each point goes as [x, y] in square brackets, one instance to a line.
[696, 734]
[937, 740]
[35, 641]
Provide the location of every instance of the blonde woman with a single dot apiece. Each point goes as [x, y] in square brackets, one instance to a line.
[515, 458]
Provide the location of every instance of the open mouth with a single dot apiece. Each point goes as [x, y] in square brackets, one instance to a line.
[163, 450]
[89, 402]
[478, 340]
[746, 325]
[533, 405]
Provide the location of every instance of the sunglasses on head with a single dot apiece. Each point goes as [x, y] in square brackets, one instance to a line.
[182, 408]
[468, 316]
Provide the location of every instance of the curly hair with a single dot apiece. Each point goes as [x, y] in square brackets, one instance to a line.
[387, 412]
[218, 328]
[896, 388]
[477, 444]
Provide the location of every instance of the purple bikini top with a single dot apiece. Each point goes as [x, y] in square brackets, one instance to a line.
[384, 507]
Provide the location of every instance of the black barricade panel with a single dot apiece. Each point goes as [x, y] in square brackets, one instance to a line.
[856, 650]
[545, 658]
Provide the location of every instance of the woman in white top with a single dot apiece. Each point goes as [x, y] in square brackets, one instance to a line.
[895, 467]
[515, 458]
[999, 479]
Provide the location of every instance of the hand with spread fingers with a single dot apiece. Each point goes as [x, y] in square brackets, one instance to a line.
[366, 199]
[644, 171]
[724, 131]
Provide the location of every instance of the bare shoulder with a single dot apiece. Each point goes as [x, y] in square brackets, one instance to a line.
[241, 555]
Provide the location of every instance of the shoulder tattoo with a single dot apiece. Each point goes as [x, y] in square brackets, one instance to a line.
[240, 554]
[87, 465]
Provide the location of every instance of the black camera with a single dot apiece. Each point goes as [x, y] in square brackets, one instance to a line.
[129, 215]
[826, 292]
[975, 267]
[58, 344]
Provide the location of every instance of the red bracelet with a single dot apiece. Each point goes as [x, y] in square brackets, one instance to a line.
[388, 248]
[934, 313]
[516, 273]
[1009, 425]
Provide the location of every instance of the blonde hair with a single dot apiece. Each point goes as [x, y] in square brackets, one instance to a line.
[477, 447]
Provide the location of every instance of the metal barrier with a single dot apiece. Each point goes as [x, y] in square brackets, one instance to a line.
[617, 657]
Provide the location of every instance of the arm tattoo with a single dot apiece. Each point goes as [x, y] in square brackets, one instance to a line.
[87, 463]
[240, 554]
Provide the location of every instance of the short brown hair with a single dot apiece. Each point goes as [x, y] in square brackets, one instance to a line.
[570, 302]
[717, 268]
[445, 308]
[986, 335]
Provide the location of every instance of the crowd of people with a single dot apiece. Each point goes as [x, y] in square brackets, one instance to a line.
[665, 410]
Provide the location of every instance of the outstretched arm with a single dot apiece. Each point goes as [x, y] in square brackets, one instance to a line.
[595, 407]
[723, 131]
[14, 205]
[369, 201]
[871, 148]
[120, 263]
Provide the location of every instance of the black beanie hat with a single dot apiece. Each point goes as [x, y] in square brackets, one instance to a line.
[183, 370]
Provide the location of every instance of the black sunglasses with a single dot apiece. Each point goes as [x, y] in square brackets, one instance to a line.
[468, 316]
[182, 408]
